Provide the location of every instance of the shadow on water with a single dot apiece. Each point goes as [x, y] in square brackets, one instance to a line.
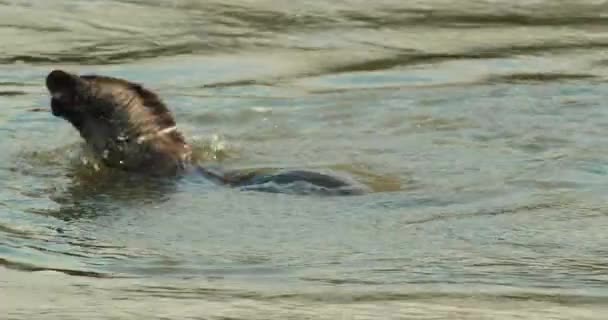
[33, 268]
[88, 189]
[92, 190]
[82, 196]
[539, 77]
[89, 195]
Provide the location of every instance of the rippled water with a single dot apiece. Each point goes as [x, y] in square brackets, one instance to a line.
[481, 125]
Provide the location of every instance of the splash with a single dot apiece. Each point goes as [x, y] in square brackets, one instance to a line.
[216, 148]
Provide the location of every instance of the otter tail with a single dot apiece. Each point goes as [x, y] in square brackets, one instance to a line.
[293, 182]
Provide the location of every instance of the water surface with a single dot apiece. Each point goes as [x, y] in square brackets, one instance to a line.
[481, 125]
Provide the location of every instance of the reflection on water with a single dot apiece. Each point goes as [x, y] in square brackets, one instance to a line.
[480, 124]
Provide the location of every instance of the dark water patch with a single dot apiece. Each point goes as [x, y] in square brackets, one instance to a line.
[539, 143]
[391, 88]
[120, 52]
[59, 252]
[220, 95]
[254, 18]
[37, 59]
[115, 52]
[76, 211]
[123, 51]
[485, 212]
[238, 83]
[122, 29]
[13, 84]
[447, 19]
[96, 198]
[411, 58]
[275, 21]
[186, 293]
[29, 27]
[407, 59]
[414, 201]
[354, 297]
[94, 56]
[547, 46]
[14, 232]
[97, 246]
[523, 296]
[38, 109]
[540, 77]
[11, 93]
[561, 299]
[545, 185]
[84, 192]
[12, 88]
[425, 122]
[33, 268]
[600, 63]
[343, 281]
[387, 15]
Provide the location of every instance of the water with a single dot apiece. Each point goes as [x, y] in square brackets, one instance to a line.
[481, 126]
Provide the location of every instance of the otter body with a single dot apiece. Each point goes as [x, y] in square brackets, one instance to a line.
[129, 127]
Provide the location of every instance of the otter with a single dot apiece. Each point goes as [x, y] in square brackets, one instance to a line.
[129, 127]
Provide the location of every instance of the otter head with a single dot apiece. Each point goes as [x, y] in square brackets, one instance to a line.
[124, 124]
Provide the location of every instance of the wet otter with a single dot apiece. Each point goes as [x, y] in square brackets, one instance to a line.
[130, 128]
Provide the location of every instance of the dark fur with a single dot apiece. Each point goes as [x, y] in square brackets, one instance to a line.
[129, 127]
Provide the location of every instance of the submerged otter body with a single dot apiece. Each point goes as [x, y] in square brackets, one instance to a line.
[129, 127]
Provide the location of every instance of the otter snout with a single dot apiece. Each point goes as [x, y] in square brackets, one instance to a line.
[58, 81]
[63, 88]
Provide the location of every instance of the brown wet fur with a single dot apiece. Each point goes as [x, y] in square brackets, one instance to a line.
[120, 122]
[129, 127]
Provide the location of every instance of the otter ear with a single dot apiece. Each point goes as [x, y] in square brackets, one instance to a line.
[59, 81]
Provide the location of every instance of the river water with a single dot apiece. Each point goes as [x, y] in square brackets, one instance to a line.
[481, 126]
